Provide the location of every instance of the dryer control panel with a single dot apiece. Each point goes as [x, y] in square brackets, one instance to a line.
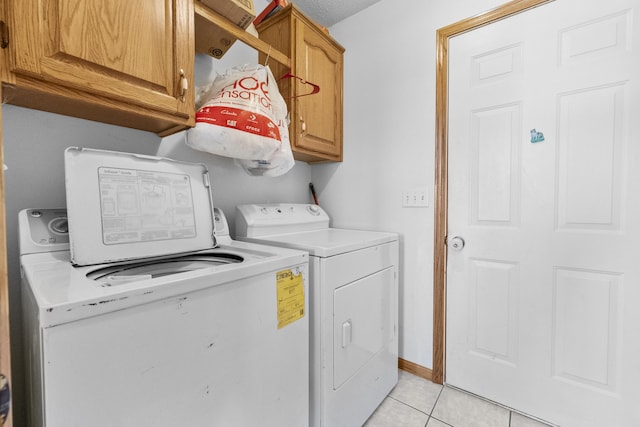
[279, 218]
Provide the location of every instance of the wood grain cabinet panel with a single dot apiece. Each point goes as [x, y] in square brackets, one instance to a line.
[118, 61]
[316, 120]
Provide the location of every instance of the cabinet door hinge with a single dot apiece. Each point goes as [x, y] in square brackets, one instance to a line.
[4, 33]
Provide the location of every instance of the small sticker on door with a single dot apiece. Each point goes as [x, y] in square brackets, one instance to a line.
[290, 294]
[536, 136]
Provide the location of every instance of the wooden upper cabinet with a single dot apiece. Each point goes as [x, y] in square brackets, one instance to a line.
[117, 61]
[316, 120]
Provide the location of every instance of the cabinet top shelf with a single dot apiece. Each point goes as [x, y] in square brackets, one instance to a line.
[206, 17]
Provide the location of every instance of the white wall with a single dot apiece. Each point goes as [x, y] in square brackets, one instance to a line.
[389, 128]
[34, 142]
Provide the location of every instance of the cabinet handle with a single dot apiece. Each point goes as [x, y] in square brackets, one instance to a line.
[303, 126]
[4, 33]
[184, 85]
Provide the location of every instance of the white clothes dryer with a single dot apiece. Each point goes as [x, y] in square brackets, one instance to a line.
[353, 303]
[209, 337]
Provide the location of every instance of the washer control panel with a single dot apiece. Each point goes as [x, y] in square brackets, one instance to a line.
[43, 230]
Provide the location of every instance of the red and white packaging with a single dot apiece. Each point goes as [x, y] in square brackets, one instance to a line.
[278, 164]
[240, 115]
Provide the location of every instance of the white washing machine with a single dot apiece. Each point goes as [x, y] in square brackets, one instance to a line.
[208, 337]
[353, 303]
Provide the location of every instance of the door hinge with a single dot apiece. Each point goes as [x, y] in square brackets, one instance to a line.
[4, 33]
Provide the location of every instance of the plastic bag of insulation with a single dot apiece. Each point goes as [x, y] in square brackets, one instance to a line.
[278, 164]
[240, 114]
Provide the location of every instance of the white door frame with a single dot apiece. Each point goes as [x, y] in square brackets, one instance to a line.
[441, 176]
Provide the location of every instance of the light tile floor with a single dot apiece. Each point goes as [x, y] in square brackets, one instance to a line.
[416, 402]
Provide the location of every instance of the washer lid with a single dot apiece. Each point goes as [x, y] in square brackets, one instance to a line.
[124, 206]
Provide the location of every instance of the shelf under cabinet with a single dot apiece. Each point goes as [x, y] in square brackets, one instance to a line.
[205, 19]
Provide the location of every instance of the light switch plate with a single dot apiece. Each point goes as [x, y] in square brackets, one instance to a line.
[415, 198]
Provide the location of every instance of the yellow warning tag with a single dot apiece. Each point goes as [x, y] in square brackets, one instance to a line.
[290, 294]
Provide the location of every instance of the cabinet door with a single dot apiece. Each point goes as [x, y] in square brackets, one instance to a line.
[318, 125]
[127, 50]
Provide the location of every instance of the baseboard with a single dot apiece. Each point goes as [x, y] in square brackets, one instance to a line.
[415, 369]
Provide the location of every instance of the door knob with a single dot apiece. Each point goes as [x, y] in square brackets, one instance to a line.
[456, 243]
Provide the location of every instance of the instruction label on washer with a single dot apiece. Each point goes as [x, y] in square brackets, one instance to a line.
[141, 206]
[290, 294]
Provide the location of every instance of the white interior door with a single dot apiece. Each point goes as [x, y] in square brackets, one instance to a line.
[543, 300]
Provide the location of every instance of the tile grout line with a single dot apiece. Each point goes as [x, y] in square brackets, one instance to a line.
[407, 405]
[429, 416]
[433, 408]
[436, 402]
[430, 413]
[500, 405]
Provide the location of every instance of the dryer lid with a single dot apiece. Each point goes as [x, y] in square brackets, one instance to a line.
[123, 206]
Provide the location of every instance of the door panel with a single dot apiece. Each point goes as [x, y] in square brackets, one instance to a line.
[493, 292]
[109, 45]
[495, 197]
[363, 323]
[129, 50]
[544, 189]
[600, 145]
[319, 62]
[586, 341]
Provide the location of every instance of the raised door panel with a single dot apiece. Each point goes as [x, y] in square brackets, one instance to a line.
[320, 115]
[127, 50]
